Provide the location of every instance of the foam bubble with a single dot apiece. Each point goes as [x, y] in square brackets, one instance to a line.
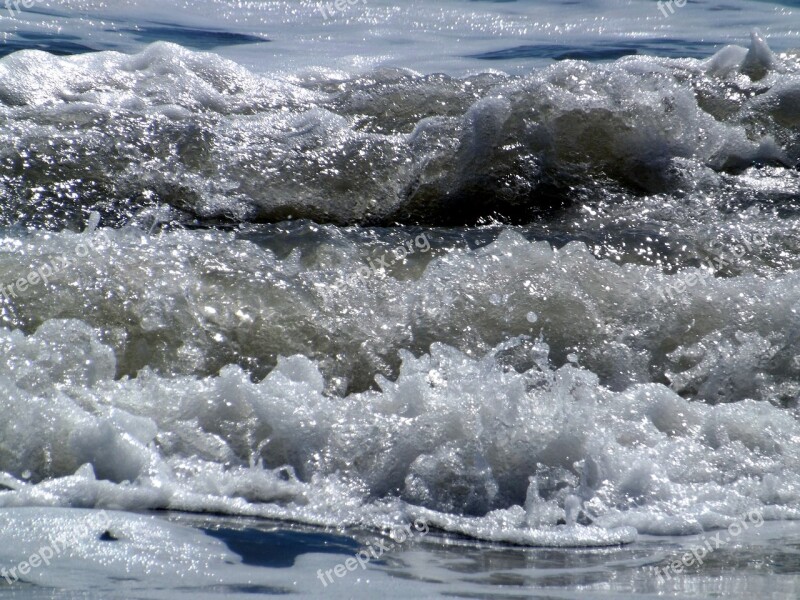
[218, 142]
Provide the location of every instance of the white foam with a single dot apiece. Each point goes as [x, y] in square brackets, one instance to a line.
[217, 141]
[458, 433]
[108, 552]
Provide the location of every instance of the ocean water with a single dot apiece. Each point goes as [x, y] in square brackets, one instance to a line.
[460, 299]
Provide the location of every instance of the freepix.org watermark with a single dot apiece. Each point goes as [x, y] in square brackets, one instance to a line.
[13, 6]
[382, 263]
[663, 6]
[48, 270]
[400, 535]
[713, 265]
[55, 547]
[697, 554]
[328, 9]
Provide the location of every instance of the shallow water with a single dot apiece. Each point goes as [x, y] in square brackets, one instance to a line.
[277, 282]
[240, 558]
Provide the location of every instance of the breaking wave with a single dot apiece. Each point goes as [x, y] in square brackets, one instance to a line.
[117, 133]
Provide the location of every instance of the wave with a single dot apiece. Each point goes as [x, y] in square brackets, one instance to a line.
[541, 456]
[116, 133]
[605, 371]
[135, 389]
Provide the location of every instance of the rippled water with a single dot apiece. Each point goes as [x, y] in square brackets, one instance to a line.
[523, 274]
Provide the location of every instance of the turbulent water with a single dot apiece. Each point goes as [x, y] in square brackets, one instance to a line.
[545, 303]
[215, 142]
